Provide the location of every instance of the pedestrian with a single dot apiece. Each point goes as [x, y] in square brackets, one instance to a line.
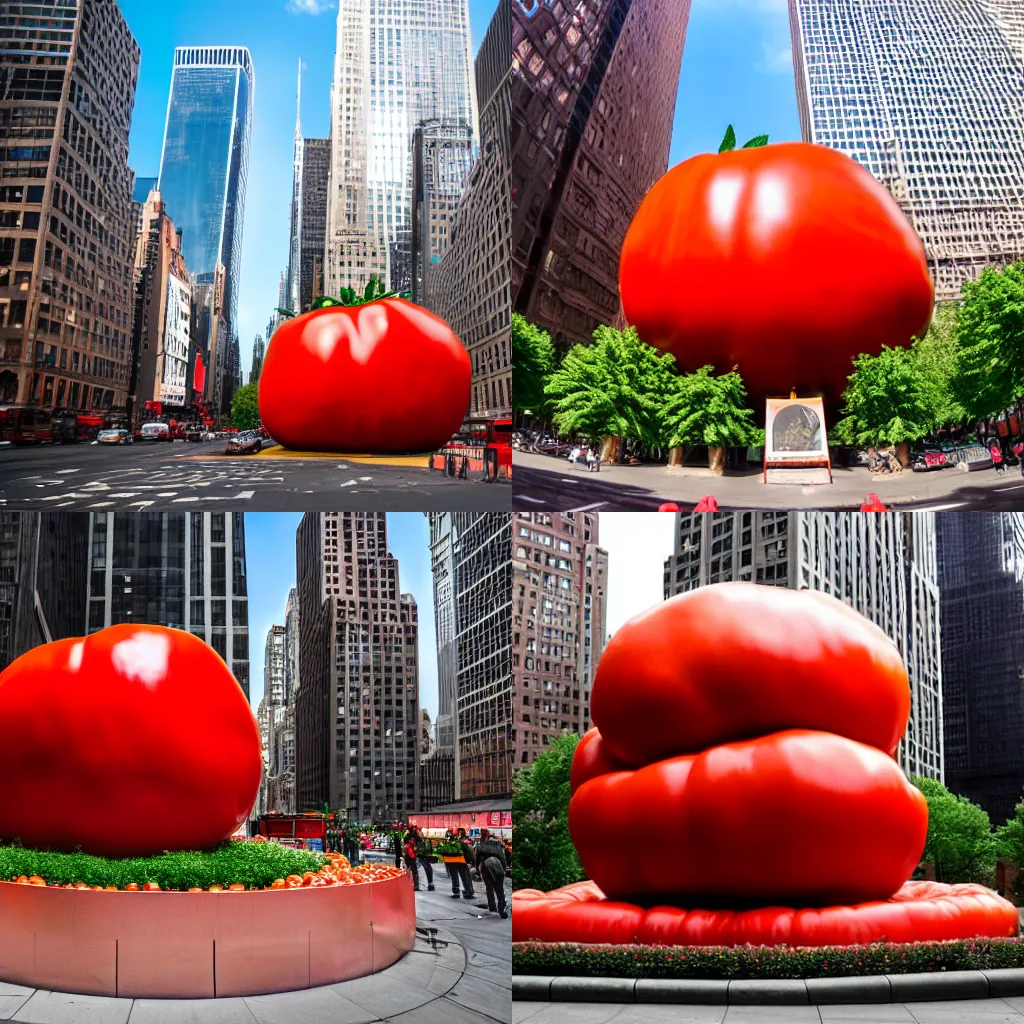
[460, 872]
[396, 847]
[1018, 450]
[591, 460]
[597, 462]
[409, 850]
[574, 455]
[996, 451]
[425, 854]
[490, 856]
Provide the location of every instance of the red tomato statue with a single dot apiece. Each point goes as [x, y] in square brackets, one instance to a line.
[385, 376]
[128, 742]
[787, 261]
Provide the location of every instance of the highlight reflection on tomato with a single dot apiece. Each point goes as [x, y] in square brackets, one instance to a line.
[131, 741]
[383, 377]
[787, 261]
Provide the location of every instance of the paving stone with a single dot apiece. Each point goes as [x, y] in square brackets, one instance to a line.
[383, 996]
[523, 1011]
[772, 1014]
[45, 1007]
[12, 998]
[444, 1011]
[866, 1013]
[669, 1013]
[310, 1006]
[442, 981]
[191, 1011]
[476, 993]
[569, 1013]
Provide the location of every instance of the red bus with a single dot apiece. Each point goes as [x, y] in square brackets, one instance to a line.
[25, 425]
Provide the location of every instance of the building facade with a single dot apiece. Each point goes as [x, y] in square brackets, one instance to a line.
[397, 64]
[68, 70]
[291, 646]
[470, 285]
[357, 716]
[205, 161]
[882, 565]
[212, 338]
[981, 577]
[316, 169]
[259, 350]
[185, 570]
[559, 580]
[928, 95]
[295, 225]
[38, 605]
[593, 97]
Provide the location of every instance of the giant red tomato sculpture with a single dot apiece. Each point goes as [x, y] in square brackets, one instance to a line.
[131, 741]
[385, 376]
[786, 260]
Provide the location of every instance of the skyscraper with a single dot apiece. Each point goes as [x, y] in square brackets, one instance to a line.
[273, 708]
[593, 97]
[316, 169]
[205, 161]
[185, 570]
[259, 350]
[37, 604]
[295, 232]
[883, 565]
[470, 285]
[928, 95]
[981, 578]
[291, 646]
[68, 70]
[274, 667]
[357, 711]
[560, 581]
[397, 63]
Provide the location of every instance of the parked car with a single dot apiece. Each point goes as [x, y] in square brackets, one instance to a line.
[114, 437]
[244, 444]
[195, 433]
[155, 432]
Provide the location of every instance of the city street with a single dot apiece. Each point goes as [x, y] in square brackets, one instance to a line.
[543, 482]
[183, 475]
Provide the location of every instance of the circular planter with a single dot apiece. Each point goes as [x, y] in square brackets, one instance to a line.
[194, 945]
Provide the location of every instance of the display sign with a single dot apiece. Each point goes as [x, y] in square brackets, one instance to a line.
[795, 435]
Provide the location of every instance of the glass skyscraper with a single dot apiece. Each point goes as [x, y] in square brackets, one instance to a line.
[397, 63]
[205, 159]
[928, 95]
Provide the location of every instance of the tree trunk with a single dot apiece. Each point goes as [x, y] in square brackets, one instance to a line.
[677, 455]
[903, 453]
[716, 460]
[610, 449]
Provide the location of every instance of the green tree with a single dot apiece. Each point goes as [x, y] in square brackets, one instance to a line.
[937, 356]
[543, 855]
[710, 410]
[245, 410]
[533, 359]
[960, 840]
[887, 400]
[1010, 845]
[990, 326]
[613, 388]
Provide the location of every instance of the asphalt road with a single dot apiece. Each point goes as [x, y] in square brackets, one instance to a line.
[562, 489]
[184, 475]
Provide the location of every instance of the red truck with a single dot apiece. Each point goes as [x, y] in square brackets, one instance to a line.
[482, 447]
[308, 830]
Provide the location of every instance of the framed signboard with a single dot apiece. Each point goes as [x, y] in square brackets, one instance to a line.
[794, 435]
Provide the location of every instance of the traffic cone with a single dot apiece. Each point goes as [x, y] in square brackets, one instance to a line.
[873, 504]
[707, 504]
[669, 506]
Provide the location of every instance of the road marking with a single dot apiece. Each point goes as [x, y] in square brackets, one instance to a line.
[64, 504]
[178, 501]
[244, 495]
[101, 504]
[96, 485]
[587, 508]
[348, 483]
[62, 497]
[365, 479]
[939, 508]
[140, 504]
[167, 494]
[124, 494]
[69, 471]
[526, 497]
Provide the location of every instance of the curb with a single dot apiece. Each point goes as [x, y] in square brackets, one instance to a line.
[874, 988]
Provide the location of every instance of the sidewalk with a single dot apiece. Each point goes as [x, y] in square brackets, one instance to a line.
[543, 480]
[467, 981]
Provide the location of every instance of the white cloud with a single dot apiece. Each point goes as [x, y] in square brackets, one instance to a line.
[773, 18]
[309, 6]
[637, 544]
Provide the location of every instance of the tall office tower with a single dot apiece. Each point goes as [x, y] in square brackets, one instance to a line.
[212, 338]
[593, 97]
[882, 565]
[981, 581]
[68, 70]
[316, 169]
[559, 574]
[274, 667]
[259, 350]
[205, 161]
[295, 230]
[470, 287]
[274, 710]
[357, 710]
[291, 646]
[232, 373]
[140, 193]
[397, 63]
[37, 604]
[928, 95]
[180, 569]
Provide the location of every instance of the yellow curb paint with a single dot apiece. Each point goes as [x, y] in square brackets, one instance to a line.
[417, 461]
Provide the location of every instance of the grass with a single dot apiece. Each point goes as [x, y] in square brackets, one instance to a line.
[724, 962]
[255, 865]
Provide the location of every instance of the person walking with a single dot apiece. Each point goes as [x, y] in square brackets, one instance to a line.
[1018, 450]
[460, 872]
[591, 460]
[425, 854]
[490, 856]
[397, 847]
[996, 451]
[409, 850]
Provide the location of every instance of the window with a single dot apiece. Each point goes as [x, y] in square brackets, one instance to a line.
[26, 250]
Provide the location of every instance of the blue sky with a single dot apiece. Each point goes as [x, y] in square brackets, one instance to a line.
[270, 564]
[278, 33]
[737, 69]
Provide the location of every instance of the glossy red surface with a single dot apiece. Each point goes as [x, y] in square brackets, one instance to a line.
[134, 740]
[736, 660]
[918, 912]
[384, 377]
[786, 261]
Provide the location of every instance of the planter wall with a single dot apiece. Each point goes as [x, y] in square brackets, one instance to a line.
[193, 945]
